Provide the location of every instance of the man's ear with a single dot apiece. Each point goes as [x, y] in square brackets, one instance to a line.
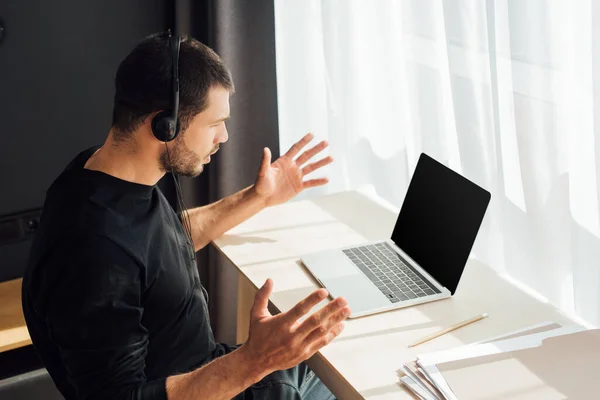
[147, 124]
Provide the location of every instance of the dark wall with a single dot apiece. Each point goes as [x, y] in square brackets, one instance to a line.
[57, 64]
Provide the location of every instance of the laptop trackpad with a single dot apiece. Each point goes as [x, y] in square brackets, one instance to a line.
[342, 278]
[360, 292]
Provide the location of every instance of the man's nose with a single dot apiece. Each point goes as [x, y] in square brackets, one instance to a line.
[224, 136]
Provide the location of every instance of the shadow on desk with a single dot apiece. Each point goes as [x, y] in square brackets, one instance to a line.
[378, 391]
[362, 223]
[237, 240]
[386, 331]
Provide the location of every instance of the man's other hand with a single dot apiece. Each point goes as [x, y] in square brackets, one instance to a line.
[282, 341]
[284, 179]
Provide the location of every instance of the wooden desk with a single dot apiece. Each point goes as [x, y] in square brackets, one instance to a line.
[13, 331]
[364, 361]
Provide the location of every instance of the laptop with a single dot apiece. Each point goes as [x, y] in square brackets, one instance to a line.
[426, 255]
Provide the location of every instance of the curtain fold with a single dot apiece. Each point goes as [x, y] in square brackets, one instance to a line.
[243, 34]
[503, 91]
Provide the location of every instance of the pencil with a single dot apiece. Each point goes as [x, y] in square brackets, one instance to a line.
[449, 329]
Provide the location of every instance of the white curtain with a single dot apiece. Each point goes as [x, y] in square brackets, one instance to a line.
[506, 92]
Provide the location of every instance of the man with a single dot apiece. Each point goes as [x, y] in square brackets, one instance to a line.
[111, 295]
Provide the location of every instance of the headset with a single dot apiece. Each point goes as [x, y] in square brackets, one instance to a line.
[165, 127]
[165, 124]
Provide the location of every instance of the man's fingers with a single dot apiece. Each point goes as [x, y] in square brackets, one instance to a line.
[316, 165]
[295, 149]
[323, 320]
[310, 153]
[324, 340]
[261, 300]
[266, 162]
[315, 182]
[305, 305]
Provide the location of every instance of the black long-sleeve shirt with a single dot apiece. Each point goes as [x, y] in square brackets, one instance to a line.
[111, 295]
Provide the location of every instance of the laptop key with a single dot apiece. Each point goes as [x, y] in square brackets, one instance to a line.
[399, 293]
[371, 276]
[363, 267]
[411, 295]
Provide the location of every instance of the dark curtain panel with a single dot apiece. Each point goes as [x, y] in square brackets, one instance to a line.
[243, 34]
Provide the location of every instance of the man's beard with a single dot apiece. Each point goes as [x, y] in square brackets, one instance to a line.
[181, 160]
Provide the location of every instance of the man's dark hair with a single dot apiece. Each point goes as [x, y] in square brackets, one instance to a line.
[144, 82]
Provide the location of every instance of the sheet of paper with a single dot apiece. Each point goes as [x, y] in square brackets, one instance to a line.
[500, 346]
[415, 388]
[426, 363]
[424, 379]
[537, 328]
[439, 382]
[420, 381]
[486, 349]
[425, 375]
[562, 367]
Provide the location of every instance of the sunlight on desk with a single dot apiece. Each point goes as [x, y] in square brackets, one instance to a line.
[363, 362]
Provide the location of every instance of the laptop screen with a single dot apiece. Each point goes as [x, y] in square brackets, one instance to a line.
[439, 220]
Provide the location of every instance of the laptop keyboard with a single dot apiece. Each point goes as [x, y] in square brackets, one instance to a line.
[386, 269]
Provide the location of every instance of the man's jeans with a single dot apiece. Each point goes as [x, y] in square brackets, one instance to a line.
[292, 384]
[296, 383]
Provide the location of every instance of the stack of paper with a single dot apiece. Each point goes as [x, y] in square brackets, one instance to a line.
[545, 361]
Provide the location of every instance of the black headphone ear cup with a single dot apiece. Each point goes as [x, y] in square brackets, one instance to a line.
[163, 127]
